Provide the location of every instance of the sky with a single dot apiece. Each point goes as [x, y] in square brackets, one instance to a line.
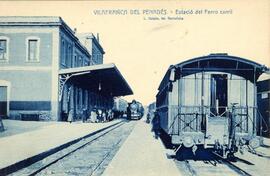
[143, 48]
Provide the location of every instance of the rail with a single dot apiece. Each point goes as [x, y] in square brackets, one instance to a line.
[231, 165]
[81, 146]
[22, 164]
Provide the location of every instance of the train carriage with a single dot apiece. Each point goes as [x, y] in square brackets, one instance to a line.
[210, 101]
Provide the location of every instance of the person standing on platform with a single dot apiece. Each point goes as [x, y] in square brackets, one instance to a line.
[156, 125]
[84, 115]
[93, 116]
[103, 115]
[70, 115]
[99, 115]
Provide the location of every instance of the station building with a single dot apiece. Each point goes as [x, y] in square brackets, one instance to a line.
[48, 71]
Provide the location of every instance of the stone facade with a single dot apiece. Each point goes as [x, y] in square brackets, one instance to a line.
[32, 51]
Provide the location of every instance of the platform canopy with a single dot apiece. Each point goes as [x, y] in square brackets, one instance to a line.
[105, 79]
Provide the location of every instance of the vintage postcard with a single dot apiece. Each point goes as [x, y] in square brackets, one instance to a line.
[116, 88]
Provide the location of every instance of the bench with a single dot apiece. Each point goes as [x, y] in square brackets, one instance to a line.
[29, 116]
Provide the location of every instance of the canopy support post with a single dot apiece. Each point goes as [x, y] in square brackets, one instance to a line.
[63, 78]
[62, 81]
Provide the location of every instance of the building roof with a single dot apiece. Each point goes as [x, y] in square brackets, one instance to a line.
[30, 20]
[103, 78]
[42, 21]
[216, 62]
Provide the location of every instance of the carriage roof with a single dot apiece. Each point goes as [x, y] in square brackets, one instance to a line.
[223, 62]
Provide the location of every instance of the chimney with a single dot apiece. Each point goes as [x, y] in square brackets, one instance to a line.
[98, 37]
[75, 30]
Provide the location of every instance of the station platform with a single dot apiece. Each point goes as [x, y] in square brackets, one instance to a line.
[18, 146]
[141, 154]
[266, 141]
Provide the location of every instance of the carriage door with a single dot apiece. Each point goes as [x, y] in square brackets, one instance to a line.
[219, 94]
[3, 101]
[216, 125]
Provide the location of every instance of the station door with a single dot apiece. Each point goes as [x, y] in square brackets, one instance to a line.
[3, 101]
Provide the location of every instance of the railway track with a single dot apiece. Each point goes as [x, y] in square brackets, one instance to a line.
[103, 160]
[237, 169]
[215, 165]
[87, 157]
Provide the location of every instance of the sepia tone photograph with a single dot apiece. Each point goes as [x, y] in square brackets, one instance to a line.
[131, 88]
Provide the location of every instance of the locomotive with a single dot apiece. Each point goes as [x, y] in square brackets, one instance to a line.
[210, 102]
[135, 110]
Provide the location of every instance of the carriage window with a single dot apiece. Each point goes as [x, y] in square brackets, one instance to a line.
[219, 93]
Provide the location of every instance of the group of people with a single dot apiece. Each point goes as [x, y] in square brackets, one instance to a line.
[95, 115]
[99, 115]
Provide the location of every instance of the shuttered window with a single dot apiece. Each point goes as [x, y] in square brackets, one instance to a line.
[3, 49]
[32, 50]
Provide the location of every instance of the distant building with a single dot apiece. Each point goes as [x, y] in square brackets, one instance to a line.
[93, 46]
[120, 105]
[46, 72]
[263, 98]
